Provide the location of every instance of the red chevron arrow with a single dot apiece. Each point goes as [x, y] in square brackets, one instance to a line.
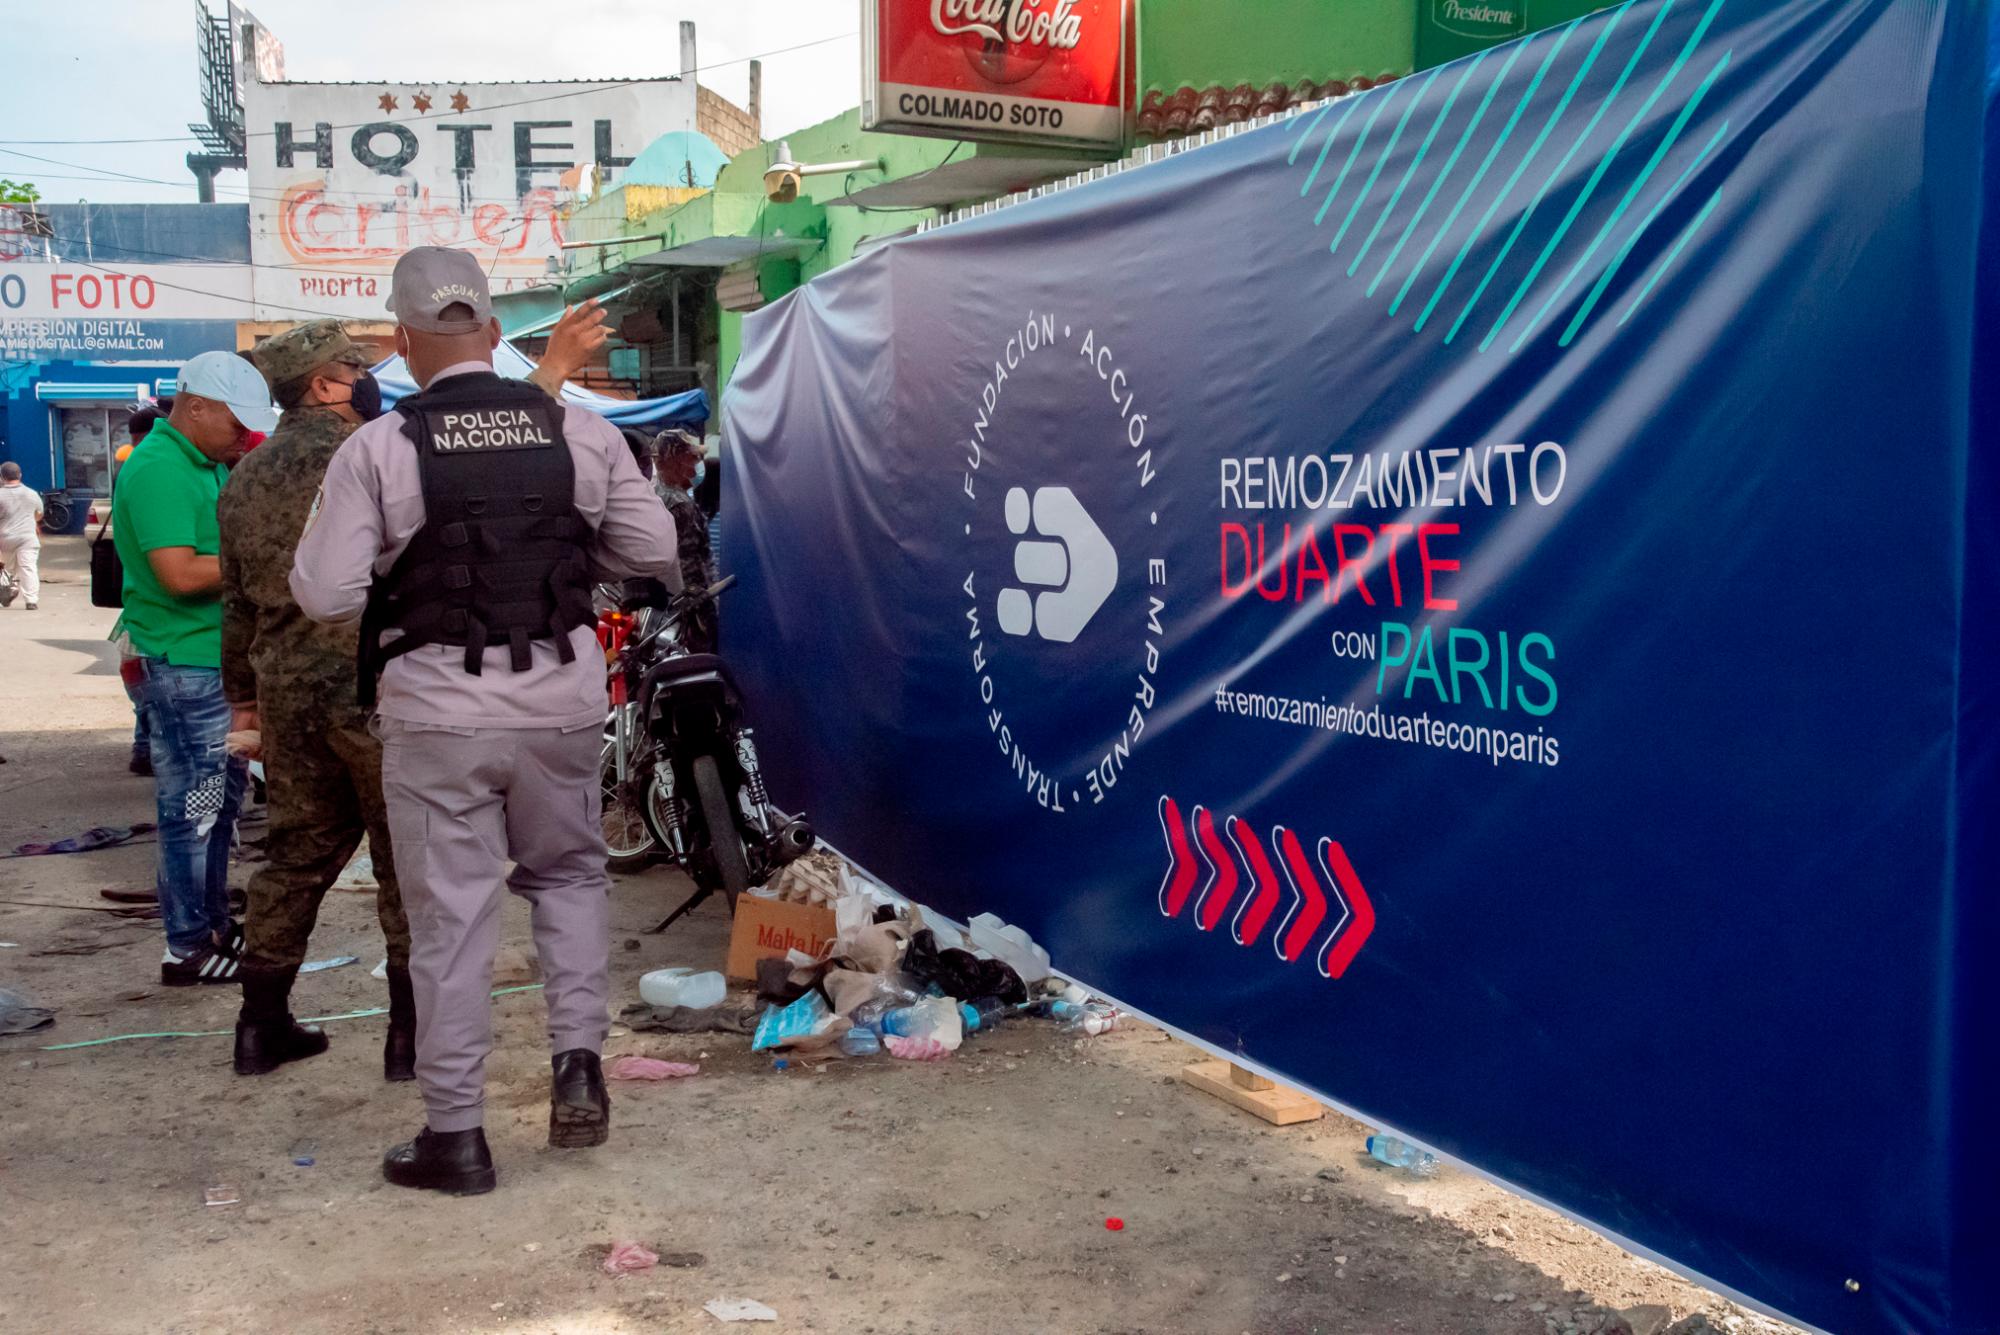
[1256, 910]
[1180, 860]
[1222, 878]
[1308, 909]
[1347, 937]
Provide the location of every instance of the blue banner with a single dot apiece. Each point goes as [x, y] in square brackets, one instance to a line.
[1480, 598]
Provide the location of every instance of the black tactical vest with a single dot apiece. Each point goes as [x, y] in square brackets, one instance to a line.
[502, 557]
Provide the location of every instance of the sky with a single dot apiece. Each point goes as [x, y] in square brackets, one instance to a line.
[125, 69]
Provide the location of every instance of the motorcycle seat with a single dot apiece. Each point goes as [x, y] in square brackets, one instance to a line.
[689, 665]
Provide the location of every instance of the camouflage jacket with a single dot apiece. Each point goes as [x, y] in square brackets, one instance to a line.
[270, 647]
[697, 565]
[691, 527]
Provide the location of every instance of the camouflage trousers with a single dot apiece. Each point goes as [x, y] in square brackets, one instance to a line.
[324, 782]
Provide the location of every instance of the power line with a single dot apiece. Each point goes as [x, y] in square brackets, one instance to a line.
[469, 111]
[248, 194]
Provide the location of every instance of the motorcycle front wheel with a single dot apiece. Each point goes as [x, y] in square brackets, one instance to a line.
[732, 862]
[628, 840]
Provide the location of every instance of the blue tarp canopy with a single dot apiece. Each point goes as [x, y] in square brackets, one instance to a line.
[689, 409]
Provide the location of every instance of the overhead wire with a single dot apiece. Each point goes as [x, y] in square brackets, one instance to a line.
[245, 191]
[598, 87]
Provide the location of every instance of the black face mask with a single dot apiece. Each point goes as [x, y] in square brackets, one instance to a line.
[365, 396]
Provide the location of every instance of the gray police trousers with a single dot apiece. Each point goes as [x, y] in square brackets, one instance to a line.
[462, 802]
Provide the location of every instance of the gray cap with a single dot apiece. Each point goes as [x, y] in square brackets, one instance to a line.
[305, 348]
[430, 278]
[230, 380]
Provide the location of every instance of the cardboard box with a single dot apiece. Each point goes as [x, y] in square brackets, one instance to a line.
[767, 928]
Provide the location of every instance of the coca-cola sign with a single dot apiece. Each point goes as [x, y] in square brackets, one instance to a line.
[1021, 71]
[1004, 21]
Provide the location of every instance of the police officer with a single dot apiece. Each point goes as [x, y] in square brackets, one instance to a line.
[292, 681]
[465, 532]
[677, 472]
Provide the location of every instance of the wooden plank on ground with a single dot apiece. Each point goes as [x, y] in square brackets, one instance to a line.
[1276, 1105]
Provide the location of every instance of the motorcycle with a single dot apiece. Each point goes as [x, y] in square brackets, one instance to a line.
[679, 773]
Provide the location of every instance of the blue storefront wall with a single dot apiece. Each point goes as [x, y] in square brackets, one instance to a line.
[61, 348]
[32, 429]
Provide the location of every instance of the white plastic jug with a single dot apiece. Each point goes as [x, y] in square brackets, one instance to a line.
[667, 988]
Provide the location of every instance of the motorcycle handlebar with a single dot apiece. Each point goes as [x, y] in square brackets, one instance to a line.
[676, 608]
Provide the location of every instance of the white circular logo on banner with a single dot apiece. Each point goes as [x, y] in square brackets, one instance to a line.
[1064, 622]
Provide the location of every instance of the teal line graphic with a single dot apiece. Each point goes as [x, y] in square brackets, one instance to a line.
[1521, 224]
[1415, 163]
[1514, 178]
[1381, 160]
[1645, 224]
[1597, 176]
[1473, 185]
[1513, 55]
[1360, 143]
[1308, 129]
[1672, 255]
[1331, 135]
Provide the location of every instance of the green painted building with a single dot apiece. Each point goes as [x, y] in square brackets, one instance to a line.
[685, 265]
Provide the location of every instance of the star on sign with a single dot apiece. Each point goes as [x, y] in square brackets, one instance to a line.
[422, 101]
[388, 102]
[459, 101]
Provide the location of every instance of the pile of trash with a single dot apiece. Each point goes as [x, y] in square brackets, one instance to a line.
[890, 982]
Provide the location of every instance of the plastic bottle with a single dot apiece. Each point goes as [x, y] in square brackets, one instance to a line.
[860, 1042]
[890, 994]
[667, 988]
[983, 1013]
[933, 1017]
[1401, 1154]
[1092, 1018]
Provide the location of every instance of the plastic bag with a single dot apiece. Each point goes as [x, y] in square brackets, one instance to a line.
[781, 1027]
[18, 1017]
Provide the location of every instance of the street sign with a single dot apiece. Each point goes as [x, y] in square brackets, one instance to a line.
[1009, 71]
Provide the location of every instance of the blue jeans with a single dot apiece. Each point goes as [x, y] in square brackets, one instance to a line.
[199, 791]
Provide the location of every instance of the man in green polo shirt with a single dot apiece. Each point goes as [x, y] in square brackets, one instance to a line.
[164, 524]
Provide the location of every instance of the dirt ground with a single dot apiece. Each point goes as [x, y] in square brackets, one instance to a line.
[968, 1196]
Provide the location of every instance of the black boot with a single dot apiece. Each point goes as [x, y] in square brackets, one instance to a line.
[579, 1108]
[399, 1048]
[266, 1035]
[454, 1162]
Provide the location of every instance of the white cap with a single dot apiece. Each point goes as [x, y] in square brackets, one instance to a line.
[229, 379]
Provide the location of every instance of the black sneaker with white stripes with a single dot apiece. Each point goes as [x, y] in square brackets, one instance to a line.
[204, 966]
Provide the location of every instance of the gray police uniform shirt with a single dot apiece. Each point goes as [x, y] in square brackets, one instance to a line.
[372, 504]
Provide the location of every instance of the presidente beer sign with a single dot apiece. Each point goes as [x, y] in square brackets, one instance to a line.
[1021, 71]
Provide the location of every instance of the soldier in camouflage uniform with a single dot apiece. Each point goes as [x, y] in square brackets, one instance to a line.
[677, 472]
[293, 681]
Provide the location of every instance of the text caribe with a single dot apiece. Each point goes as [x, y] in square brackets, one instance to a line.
[1058, 28]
